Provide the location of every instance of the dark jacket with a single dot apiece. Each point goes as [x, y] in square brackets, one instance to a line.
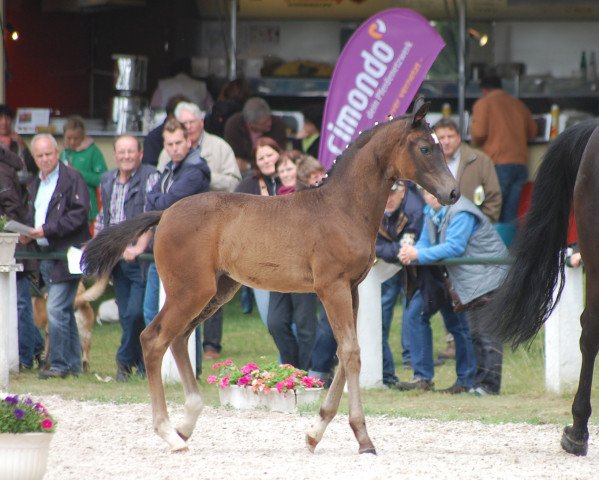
[13, 197]
[190, 176]
[66, 220]
[237, 134]
[217, 118]
[408, 218]
[153, 145]
[135, 199]
[251, 185]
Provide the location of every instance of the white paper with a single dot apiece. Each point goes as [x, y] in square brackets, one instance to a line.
[74, 259]
[383, 271]
[17, 227]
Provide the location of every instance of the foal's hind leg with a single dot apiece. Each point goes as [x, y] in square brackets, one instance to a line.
[226, 288]
[576, 437]
[193, 400]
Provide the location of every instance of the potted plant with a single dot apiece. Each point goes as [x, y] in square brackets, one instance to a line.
[26, 429]
[8, 242]
[277, 387]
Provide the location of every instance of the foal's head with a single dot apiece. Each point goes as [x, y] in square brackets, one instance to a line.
[417, 155]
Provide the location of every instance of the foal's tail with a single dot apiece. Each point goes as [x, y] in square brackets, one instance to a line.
[525, 300]
[103, 252]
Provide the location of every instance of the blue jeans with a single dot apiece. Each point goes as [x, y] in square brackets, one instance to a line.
[65, 348]
[390, 290]
[286, 310]
[325, 347]
[421, 342]
[129, 288]
[151, 296]
[512, 178]
[30, 340]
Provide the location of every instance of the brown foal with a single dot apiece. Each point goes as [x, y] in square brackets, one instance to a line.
[317, 240]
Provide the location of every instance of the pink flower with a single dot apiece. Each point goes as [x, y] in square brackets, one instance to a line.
[308, 381]
[245, 380]
[228, 363]
[212, 379]
[224, 382]
[248, 368]
[47, 424]
[217, 365]
[279, 386]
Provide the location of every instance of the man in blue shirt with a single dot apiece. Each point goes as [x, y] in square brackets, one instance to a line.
[450, 232]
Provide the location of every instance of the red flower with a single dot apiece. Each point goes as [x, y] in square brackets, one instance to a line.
[47, 424]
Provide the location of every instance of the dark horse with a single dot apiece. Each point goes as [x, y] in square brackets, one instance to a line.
[317, 240]
[568, 178]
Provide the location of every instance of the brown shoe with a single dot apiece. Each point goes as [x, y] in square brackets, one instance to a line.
[419, 384]
[211, 355]
[455, 389]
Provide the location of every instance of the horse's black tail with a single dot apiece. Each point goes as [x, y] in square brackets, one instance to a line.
[525, 300]
[103, 252]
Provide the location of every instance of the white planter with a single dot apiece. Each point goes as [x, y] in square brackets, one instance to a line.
[23, 456]
[243, 398]
[8, 243]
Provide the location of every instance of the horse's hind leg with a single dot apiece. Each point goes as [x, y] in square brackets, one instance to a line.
[226, 288]
[576, 437]
[193, 400]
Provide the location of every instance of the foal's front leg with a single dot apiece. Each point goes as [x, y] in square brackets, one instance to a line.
[341, 308]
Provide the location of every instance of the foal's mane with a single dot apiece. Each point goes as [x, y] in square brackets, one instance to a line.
[343, 161]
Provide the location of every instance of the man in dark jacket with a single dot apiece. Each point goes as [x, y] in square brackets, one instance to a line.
[59, 208]
[186, 174]
[124, 192]
[13, 204]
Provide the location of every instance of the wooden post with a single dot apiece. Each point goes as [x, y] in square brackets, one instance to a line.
[562, 333]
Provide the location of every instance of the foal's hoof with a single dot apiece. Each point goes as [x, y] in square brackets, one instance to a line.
[370, 450]
[573, 446]
[311, 443]
[184, 449]
[184, 437]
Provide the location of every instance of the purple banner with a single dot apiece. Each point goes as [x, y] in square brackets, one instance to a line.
[378, 73]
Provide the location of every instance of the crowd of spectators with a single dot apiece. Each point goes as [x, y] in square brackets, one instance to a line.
[67, 195]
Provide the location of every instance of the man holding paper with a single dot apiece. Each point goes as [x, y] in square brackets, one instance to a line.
[59, 208]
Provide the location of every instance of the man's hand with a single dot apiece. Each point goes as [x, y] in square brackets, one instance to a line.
[131, 253]
[407, 254]
[37, 233]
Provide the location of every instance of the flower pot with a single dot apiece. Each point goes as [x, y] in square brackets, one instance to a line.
[23, 456]
[281, 402]
[8, 243]
[308, 397]
[239, 397]
[243, 398]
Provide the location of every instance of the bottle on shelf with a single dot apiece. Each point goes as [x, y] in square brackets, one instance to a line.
[583, 66]
[592, 69]
[446, 110]
[554, 129]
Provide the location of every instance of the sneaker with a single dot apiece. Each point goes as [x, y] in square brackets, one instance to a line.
[419, 384]
[478, 391]
[123, 373]
[448, 354]
[455, 389]
[438, 362]
[391, 382]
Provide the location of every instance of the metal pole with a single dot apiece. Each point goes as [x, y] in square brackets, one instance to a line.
[462, 64]
[233, 49]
